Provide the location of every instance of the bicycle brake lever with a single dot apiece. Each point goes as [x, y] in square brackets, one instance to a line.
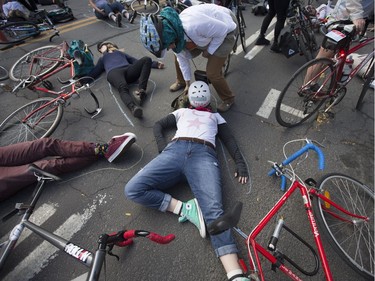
[110, 247]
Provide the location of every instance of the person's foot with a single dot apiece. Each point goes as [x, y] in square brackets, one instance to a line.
[176, 86]
[262, 41]
[275, 48]
[136, 111]
[118, 145]
[224, 106]
[133, 16]
[118, 20]
[139, 96]
[192, 212]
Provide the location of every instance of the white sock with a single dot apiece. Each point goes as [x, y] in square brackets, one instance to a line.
[125, 13]
[178, 207]
[234, 272]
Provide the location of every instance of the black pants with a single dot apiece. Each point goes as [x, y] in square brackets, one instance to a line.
[278, 8]
[120, 78]
[29, 4]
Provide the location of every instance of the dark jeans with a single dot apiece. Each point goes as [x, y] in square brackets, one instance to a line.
[280, 9]
[120, 78]
[109, 9]
[63, 157]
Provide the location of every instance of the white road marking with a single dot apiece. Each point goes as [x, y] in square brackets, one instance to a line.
[40, 257]
[40, 216]
[268, 104]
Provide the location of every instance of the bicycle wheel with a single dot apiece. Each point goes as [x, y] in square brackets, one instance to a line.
[226, 65]
[4, 75]
[41, 123]
[352, 239]
[37, 62]
[299, 100]
[145, 7]
[16, 32]
[241, 27]
[365, 87]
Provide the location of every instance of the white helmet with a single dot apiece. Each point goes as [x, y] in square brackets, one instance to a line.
[199, 94]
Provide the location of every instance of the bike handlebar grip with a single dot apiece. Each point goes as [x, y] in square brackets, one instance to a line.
[283, 182]
[302, 151]
[161, 239]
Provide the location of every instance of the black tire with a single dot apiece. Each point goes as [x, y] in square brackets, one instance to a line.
[14, 130]
[352, 241]
[37, 62]
[304, 48]
[4, 74]
[16, 32]
[241, 26]
[297, 102]
[151, 7]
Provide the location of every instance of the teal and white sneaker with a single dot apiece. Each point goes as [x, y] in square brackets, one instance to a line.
[192, 212]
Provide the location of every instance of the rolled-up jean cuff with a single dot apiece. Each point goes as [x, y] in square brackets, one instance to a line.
[226, 250]
[164, 205]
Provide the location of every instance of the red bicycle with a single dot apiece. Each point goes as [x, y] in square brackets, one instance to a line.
[341, 206]
[305, 92]
[40, 118]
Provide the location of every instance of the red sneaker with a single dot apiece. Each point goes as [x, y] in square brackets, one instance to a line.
[118, 145]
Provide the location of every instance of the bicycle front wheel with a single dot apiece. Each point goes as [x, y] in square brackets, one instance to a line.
[352, 238]
[4, 75]
[16, 32]
[35, 120]
[302, 97]
[37, 62]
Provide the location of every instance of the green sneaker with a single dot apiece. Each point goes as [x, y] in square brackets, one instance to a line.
[191, 212]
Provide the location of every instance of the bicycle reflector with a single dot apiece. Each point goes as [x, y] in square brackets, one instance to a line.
[327, 195]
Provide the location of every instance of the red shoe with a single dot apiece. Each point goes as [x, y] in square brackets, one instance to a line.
[118, 145]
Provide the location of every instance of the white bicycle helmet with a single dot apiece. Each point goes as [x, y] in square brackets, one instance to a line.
[151, 30]
[199, 94]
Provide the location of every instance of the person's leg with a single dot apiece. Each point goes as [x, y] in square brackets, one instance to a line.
[180, 82]
[148, 185]
[215, 75]
[28, 152]
[116, 77]
[205, 182]
[265, 24]
[281, 7]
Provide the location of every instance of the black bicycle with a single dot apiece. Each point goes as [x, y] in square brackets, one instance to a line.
[106, 242]
[302, 29]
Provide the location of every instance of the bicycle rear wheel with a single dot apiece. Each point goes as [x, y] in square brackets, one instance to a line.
[16, 32]
[145, 7]
[299, 100]
[41, 123]
[37, 62]
[352, 239]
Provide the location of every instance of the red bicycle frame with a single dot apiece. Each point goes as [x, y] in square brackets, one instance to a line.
[305, 193]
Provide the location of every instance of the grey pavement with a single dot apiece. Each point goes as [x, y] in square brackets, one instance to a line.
[95, 194]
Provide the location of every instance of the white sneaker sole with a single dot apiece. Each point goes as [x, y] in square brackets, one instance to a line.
[129, 141]
[202, 231]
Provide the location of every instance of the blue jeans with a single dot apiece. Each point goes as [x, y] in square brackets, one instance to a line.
[109, 9]
[198, 164]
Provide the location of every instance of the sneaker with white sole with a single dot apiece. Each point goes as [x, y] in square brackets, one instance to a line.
[118, 145]
[192, 212]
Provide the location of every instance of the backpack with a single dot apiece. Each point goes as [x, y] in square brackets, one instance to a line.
[60, 15]
[287, 43]
[78, 48]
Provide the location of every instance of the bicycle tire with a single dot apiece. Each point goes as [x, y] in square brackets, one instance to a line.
[13, 130]
[37, 62]
[241, 27]
[16, 32]
[303, 47]
[4, 74]
[365, 87]
[152, 7]
[297, 102]
[349, 240]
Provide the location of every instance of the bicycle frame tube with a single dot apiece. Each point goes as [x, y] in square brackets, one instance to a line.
[24, 120]
[314, 229]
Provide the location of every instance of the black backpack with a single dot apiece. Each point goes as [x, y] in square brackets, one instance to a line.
[61, 15]
[287, 43]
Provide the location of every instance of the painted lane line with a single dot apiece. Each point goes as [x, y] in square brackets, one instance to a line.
[40, 257]
[40, 216]
[256, 49]
[269, 104]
